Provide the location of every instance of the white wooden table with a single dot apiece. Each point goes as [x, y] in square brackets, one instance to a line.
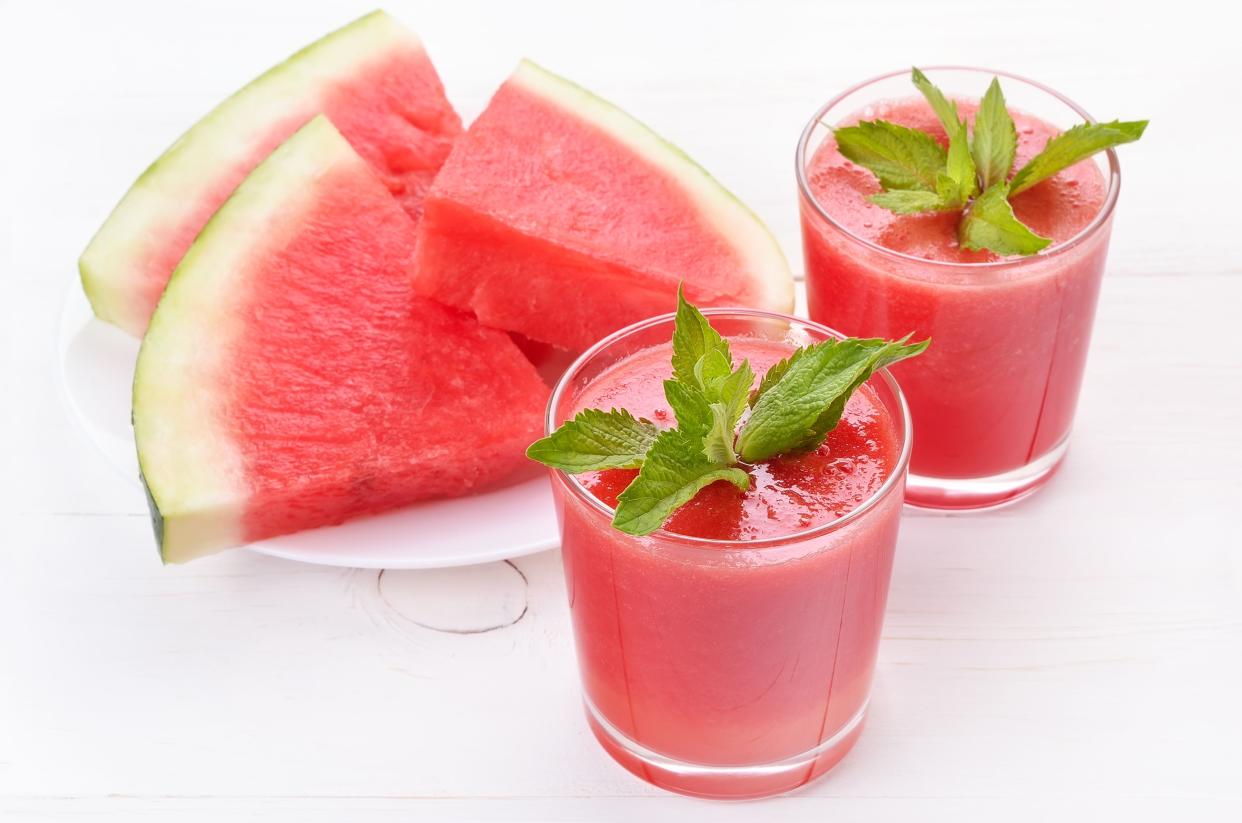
[1078, 656]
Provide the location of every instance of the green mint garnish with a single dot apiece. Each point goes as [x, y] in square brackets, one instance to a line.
[674, 472]
[973, 175]
[901, 157]
[901, 201]
[995, 140]
[706, 394]
[693, 339]
[596, 440]
[797, 403]
[944, 108]
[796, 411]
[960, 182]
[989, 223]
[1072, 145]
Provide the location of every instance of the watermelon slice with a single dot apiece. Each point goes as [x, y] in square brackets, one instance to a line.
[372, 78]
[560, 217]
[291, 378]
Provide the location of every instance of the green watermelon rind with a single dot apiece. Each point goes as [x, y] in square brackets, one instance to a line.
[189, 464]
[170, 187]
[736, 222]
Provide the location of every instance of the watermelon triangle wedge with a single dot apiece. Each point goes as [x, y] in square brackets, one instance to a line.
[373, 78]
[559, 216]
[291, 378]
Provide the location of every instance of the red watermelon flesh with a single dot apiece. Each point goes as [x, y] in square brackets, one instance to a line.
[372, 78]
[291, 378]
[559, 217]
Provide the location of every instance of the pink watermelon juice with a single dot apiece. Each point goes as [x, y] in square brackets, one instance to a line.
[731, 654]
[994, 397]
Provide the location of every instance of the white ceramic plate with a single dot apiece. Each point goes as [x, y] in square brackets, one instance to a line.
[97, 368]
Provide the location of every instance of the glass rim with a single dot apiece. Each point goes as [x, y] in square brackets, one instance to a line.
[890, 482]
[1101, 217]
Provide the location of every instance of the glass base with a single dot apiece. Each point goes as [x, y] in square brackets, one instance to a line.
[977, 493]
[724, 782]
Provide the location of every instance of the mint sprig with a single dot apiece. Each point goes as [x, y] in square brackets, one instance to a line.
[973, 175]
[796, 404]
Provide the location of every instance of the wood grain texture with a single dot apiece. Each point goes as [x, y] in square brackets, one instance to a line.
[1077, 656]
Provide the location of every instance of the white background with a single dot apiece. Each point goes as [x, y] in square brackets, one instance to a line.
[1078, 656]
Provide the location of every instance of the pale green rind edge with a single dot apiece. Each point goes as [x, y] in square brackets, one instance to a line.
[110, 267]
[188, 461]
[737, 224]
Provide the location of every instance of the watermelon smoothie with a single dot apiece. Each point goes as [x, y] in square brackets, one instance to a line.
[993, 399]
[731, 653]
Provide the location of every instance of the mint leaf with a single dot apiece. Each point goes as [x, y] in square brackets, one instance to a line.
[693, 339]
[903, 201]
[731, 392]
[990, 224]
[918, 175]
[959, 183]
[996, 139]
[673, 473]
[773, 375]
[808, 397]
[728, 395]
[1073, 145]
[944, 109]
[712, 415]
[706, 394]
[734, 391]
[902, 158]
[689, 405]
[596, 440]
[711, 369]
[718, 440]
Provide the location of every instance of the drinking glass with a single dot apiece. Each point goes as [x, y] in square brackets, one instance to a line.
[726, 668]
[994, 396]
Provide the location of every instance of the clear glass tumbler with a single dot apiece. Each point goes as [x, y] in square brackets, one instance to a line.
[726, 668]
[994, 396]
